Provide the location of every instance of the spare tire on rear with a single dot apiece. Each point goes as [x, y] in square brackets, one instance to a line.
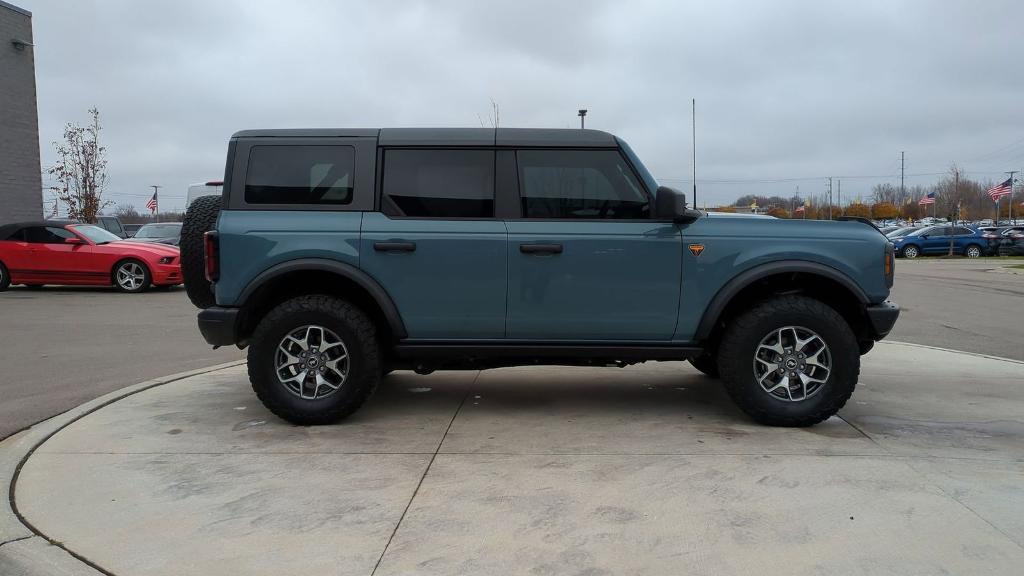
[200, 218]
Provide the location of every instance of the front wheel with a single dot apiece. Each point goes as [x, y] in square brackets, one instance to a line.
[973, 251]
[314, 360]
[131, 276]
[911, 252]
[5, 279]
[789, 361]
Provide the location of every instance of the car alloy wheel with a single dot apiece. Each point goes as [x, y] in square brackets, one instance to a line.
[311, 362]
[910, 252]
[130, 276]
[973, 252]
[792, 363]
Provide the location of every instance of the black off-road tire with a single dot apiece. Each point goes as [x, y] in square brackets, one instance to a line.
[706, 363]
[5, 277]
[744, 334]
[200, 218]
[354, 328]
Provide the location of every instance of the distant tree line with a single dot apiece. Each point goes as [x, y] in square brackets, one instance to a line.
[128, 214]
[955, 198]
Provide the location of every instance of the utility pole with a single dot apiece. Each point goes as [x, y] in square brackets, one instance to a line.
[902, 189]
[1011, 173]
[956, 197]
[156, 203]
[582, 114]
[829, 197]
[839, 195]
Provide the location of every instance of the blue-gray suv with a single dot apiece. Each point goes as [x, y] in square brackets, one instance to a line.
[337, 256]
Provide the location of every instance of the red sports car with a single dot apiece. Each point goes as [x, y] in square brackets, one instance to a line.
[37, 253]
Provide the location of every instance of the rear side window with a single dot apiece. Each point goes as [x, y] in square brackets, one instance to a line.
[46, 235]
[439, 183]
[573, 184]
[300, 175]
[961, 231]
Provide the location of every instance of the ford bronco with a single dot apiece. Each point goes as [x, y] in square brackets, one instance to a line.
[337, 256]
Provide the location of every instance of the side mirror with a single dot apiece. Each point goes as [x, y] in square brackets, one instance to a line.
[670, 204]
[74, 240]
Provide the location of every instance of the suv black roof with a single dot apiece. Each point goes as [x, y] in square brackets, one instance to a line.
[450, 136]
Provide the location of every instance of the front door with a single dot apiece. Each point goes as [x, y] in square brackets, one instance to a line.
[436, 246]
[585, 261]
[937, 241]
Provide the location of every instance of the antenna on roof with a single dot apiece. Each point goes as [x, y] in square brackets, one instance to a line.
[693, 125]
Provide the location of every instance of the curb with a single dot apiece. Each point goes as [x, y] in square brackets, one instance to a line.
[23, 549]
[986, 356]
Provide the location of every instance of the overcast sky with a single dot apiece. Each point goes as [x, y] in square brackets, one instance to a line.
[784, 90]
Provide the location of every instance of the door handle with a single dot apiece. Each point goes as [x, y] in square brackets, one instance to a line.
[394, 246]
[540, 248]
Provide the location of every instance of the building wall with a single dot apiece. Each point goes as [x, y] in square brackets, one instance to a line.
[21, 184]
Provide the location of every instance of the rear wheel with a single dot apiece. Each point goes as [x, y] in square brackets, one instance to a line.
[789, 361]
[973, 251]
[5, 279]
[314, 360]
[911, 252]
[200, 218]
[131, 276]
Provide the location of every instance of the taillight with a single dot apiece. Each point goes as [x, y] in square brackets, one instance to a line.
[210, 252]
[889, 265]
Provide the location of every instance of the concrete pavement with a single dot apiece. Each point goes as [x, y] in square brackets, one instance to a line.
[648, 469]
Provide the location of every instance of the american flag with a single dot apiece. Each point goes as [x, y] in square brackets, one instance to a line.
[928, 199]
[998, 191]
[152, 203]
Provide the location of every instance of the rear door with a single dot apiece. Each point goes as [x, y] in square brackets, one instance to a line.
[937, 240]
[586, 262]
[436, 246]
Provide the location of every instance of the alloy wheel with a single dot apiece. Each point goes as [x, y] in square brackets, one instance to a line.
[131, 276]
[311, 362]
[973, 252]
[910, 252]
[792, 363]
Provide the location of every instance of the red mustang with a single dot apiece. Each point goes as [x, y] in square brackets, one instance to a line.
[37, 253]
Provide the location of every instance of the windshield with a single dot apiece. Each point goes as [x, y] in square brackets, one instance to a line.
[95, 233]
[922, 232]
[900, 232]
[159, 231]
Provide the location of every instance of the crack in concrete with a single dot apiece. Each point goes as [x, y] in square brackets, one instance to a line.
[469, 390]
[16, 540]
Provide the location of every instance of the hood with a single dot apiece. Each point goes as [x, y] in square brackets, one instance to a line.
[147, 247]
[171, 240]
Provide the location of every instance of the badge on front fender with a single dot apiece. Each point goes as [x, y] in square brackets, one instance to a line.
[696, 249]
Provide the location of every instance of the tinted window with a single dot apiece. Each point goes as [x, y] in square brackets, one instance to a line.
[439, 183]
[961, 231]
[579, 184]
[299, 175]
[47, 235]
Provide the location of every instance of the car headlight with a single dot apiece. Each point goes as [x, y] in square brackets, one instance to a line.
[166, 260]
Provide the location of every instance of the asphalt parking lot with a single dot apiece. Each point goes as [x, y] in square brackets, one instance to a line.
[63, 346]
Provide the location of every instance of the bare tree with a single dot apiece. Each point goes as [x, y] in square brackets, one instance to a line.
[81, 170]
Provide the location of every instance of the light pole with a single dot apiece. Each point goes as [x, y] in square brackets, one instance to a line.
[582, 114]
